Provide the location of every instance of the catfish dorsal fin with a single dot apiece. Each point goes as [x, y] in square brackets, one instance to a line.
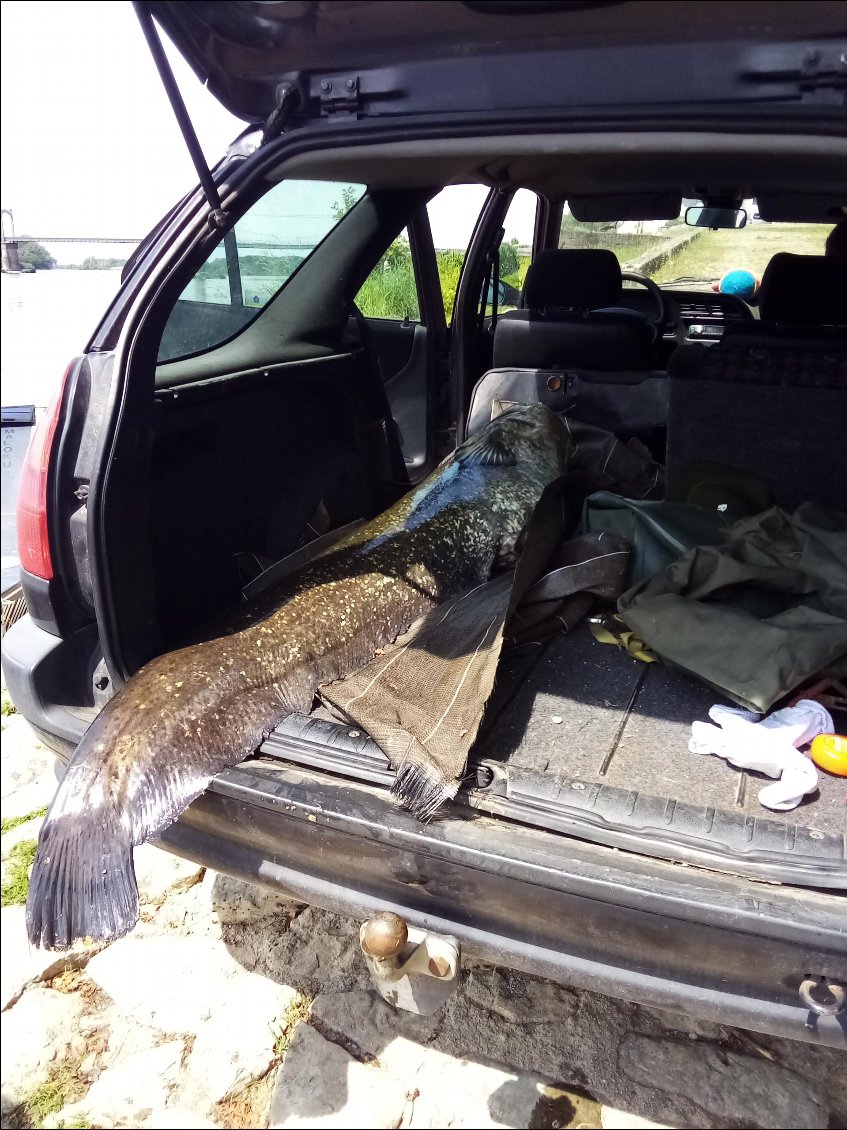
[486, 449]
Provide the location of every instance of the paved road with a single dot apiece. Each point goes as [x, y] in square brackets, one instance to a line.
[230, 1006]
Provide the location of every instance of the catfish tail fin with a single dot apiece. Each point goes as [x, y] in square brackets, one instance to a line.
[83, 881]
[127, 782]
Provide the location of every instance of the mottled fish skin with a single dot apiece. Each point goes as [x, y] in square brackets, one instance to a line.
[189, 714]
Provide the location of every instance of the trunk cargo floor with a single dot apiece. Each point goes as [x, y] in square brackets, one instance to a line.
[624, 723]
[581, 739]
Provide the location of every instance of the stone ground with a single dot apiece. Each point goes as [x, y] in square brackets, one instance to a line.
[230, 1006]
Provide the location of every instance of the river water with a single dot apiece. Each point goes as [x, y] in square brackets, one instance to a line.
[47, 319]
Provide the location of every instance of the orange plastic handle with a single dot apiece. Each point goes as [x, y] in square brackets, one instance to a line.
[829, 752]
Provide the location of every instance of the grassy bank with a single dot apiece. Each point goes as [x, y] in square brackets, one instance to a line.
[714, 253]
[390, 291]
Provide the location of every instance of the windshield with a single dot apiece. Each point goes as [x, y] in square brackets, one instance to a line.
[675, 255]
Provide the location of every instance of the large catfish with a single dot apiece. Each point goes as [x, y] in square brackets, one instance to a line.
[189, 714]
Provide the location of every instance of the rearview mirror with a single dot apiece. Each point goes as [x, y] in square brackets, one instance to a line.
[702, 216]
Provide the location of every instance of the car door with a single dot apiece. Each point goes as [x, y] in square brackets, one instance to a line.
[406, 305]
[402, 316]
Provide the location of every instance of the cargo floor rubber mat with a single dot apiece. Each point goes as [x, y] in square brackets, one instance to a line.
[581, 738]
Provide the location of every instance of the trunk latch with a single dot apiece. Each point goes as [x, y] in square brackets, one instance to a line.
[412, 969]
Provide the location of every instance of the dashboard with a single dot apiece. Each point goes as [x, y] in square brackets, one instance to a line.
[704, 316]
[696, 315]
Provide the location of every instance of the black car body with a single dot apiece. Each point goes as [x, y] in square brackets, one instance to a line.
[195, 431]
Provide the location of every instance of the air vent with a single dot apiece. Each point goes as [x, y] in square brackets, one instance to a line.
[702, 312]
[708, 311]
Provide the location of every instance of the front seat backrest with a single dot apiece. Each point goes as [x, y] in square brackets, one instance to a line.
[564, 324]
[802, 300]
[804, 290]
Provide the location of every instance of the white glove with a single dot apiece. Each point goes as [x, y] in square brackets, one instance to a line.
[767, 746]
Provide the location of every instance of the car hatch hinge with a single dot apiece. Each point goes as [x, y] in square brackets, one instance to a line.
[817, 73]
[339, 96]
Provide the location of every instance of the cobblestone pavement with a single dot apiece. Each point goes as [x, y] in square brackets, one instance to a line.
[230, 1006]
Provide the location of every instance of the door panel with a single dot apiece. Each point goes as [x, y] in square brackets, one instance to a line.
[392, 341]
[396, 304]
[402, 351]
[408, 397]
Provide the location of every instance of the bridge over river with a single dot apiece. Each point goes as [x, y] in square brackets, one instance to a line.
[11, 242]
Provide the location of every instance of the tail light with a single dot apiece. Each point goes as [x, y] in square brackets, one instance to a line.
[33, 540]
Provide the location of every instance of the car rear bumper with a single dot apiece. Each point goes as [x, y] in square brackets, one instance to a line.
[48, 678]
[714, 946]
[660, 934]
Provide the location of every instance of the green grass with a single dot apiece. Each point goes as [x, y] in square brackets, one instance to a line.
[46, 1099]
[390, 293]
[7, 707]
[16, 866]
[295, 1011]
[715, 252]
[9, 822]
[390, 290]
[62, 1087]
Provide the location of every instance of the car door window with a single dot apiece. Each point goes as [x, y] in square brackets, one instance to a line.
[516, 248]
[390, 291]
[253, 263]
[452, 215]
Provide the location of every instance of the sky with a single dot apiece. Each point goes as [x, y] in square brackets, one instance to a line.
[90, 145]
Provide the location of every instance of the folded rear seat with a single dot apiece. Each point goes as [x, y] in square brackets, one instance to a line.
[628, 403]
[771, 399]
[778, 414]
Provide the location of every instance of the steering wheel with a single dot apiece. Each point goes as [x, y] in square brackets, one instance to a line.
[662, 317]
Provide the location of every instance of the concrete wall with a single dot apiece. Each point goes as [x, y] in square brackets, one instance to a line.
[653, 260]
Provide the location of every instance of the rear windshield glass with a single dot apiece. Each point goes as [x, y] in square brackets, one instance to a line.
[253, 263]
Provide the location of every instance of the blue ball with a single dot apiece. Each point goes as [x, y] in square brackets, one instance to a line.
[742, 283]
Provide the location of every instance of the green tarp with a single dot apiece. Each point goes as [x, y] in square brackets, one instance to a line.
[755, 616]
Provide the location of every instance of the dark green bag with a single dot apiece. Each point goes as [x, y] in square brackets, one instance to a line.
[707, 500]
[757, 615]
[658, 532]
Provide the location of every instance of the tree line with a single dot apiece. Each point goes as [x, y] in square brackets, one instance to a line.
[36, 256]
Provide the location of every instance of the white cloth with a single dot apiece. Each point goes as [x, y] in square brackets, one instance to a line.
[768, 746]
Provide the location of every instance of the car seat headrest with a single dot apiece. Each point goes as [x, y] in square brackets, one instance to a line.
[573, 280]
[804, 290]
